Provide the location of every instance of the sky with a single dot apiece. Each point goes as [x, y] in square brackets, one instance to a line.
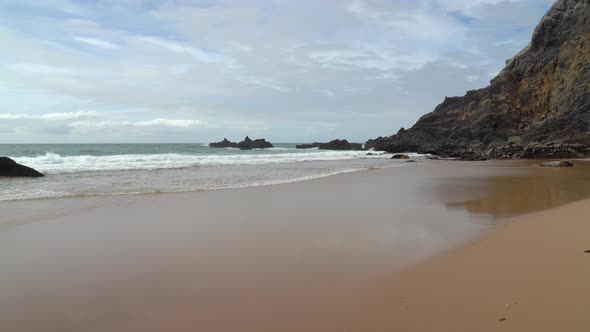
[139, 71]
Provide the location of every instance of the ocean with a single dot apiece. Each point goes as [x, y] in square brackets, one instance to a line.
[109, 169]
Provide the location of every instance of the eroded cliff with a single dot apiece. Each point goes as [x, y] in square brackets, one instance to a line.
[537, 107]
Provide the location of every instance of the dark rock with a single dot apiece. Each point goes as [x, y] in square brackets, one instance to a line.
[308, 146]
[537, 107]
[224, 144]
[400, 156]
[10, 168]
[340, 145]
[370, 144]
[432, 158]
[410, 161]
[472, 157]
[248, 144]
[563, 163]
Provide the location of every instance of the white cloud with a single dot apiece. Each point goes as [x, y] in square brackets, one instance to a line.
[170, 123]
[197, 53]
[148, 123]
[97, 42]
[51, 116]
[363, 67]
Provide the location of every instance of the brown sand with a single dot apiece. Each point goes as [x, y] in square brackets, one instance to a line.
[530, 275]
[310, 256]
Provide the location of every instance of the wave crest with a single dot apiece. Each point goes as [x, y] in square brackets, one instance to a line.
[54, 163]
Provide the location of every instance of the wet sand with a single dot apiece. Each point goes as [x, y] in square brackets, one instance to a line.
[528, 275]
[329, 254]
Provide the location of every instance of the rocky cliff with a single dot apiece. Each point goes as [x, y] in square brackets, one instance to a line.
[537, 107]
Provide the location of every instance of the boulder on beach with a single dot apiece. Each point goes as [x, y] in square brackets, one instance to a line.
[249, 144]
[11, 168]
[400, 156]
[563, 163]
[224, 144]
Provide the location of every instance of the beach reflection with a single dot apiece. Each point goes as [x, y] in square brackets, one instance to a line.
[528, 189]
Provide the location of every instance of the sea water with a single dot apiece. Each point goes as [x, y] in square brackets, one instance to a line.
[107, 169]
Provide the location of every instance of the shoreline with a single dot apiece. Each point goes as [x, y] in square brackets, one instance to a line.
[270, 183]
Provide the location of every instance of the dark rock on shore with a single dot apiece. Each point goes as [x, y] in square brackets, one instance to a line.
[11, 168]
[248, 144]
[537, 107]
[563, 163]
[400, 156]
[224, 144]
[473, 157]
[338, 144]
[308, 146]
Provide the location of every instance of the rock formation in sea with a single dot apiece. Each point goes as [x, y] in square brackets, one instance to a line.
[223, 144]
[337, 144]
[246, 144]
[11, 168]
[308, 146]
[537, 107]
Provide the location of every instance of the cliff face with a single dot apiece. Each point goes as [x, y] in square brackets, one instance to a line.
[537, 107]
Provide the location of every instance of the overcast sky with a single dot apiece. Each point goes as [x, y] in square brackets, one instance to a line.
[287, 70]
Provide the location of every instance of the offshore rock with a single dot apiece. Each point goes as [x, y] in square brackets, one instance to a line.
[338, 144]
[224, 144]
[248, 144]
[308, 146]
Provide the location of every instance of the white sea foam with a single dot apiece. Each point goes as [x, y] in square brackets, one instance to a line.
[55, 163]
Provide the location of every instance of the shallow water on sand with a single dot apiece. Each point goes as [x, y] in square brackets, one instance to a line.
[249, 259]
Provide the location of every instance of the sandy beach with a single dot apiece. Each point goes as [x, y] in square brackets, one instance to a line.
[528, 275]
[350, 252]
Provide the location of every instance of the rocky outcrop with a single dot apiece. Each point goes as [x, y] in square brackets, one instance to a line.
[308, 146]
[338, 144]
[11, 168]
[224, 144]
[248, 144]
[537, 107]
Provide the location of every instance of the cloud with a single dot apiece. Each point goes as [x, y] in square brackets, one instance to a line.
[51, 116]
[170, 123]
[97, 42]
[364, 68]
[197, 53]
